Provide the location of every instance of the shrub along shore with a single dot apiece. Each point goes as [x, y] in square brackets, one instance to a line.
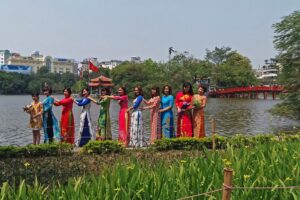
[168, 169]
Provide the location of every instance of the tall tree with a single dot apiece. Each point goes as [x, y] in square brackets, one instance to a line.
[218, 55]
[231, 69]
[287, 42]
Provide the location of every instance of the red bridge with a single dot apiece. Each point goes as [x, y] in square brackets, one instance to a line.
[247, 92]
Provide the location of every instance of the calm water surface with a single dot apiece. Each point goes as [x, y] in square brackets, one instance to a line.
[232, 116]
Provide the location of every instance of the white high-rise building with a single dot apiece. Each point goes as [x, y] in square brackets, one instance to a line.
[4, 55]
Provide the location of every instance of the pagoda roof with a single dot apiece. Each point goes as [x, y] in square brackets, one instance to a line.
[101, 79]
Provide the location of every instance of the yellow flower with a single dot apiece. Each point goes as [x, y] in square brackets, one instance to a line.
[246, 176]
[129, 167]
[26, 164]
[227, 163]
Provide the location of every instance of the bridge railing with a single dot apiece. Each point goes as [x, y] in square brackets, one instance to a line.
[275, 88]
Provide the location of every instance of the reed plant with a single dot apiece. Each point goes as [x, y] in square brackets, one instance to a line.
[275, 163]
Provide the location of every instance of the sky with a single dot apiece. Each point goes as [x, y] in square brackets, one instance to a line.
[120, 29]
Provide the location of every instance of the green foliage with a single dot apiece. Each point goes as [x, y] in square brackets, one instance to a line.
[164, 176]
[187, 143]
[101, 147]
[231, 69]
[35, 150]
[287, 42]
[14, 83]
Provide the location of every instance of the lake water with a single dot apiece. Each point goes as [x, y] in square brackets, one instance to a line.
[233, 116]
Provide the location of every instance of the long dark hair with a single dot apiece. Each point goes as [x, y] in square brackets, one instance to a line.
[107, 90]
[69, 91]
[163, 90]
[140, 91]
[124, 89]
[87, 89]
[47, 88]
[157, 91]
[35, 94]
[188, 84]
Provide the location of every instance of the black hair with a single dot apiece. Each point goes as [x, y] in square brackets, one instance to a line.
[124, 89]
[87, 89]
[140, 91]
[163, 89]
[35, 94]
[49, 89]
[188, 84]
[156, 89]
[69, 90]
[107, 90]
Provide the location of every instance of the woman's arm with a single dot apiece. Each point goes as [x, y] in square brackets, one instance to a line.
[137, 102]
[93, 100]
[203, 102]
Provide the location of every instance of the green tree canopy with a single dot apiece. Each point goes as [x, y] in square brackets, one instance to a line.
[287, 42]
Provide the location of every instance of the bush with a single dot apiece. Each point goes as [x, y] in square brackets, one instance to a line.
[187, 143]
[35, 150]
[106, 146]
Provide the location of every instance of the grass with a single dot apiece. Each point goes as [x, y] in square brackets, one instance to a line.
[168, 175]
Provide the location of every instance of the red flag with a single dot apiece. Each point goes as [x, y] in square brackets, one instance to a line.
[93, 67]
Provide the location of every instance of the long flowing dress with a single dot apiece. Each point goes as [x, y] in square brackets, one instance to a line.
[67, 128]
[198, 116]
[123, 119]
[155, 122]
[86, 132]
[50, 123]
[167, 119]
[104, 129]
[184, 119]
[136, 125]
[37, 122]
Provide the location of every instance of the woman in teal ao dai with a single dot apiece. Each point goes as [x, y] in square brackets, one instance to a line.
[167, 120]
[50, 123]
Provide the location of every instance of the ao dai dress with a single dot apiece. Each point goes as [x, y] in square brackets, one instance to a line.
[154, 106]
[37, 122]
[104, 129]
[67, 128]
[198, 116]
[50, 123]
[86, 132]
[184, 119]
[136, 125]
[167, 119]
[123, 119]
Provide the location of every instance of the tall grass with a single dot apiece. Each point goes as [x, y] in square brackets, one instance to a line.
[270, 164]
